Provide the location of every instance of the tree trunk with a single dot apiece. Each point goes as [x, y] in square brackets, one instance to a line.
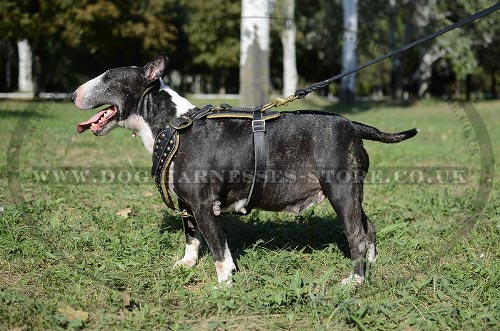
[290, 75]
[222, 82]
[468, 87]
[424, 71]
[428, 56]
[493, 90]
[254, 52]
[379, 93]
[25, 79]
[350, 9]
[8, 66]
[197, 84]
[396, 73]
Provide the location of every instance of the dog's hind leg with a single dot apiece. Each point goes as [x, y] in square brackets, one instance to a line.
[371, 253]
[192, 241]
[358, 240]
[346, 198]
[211, 229]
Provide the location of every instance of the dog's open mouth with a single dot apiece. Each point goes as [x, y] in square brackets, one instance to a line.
[99, 120]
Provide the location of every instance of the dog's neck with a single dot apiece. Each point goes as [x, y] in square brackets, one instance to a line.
[182, 105]
[155, 112]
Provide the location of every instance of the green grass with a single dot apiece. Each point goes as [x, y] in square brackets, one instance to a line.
[68, 261]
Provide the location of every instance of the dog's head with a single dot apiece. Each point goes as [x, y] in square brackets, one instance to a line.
[119, 90]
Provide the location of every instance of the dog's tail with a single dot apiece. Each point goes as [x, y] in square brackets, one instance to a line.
[371, 133]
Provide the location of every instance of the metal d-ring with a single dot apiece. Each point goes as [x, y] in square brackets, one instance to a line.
[184, 125]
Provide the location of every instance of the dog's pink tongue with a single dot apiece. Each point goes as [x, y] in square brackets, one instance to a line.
[86, 125]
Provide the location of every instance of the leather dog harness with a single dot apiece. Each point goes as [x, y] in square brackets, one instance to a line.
[167, 143]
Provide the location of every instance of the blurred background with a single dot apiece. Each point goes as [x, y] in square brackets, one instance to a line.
[78, 254]
[55, 45]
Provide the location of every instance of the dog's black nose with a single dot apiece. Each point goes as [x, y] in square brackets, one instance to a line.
[72, 97]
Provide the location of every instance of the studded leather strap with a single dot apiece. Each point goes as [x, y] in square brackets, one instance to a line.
[165, 146]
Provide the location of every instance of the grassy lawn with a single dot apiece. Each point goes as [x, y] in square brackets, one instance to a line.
[68, 260]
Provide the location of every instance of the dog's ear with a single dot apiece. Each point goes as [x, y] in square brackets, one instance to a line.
[156, 68]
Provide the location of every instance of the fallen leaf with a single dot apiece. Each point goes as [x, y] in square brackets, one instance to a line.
[124, 212]
[126, 299]
[19, 328]
[122, 314]
[72, 314]
[148, 194]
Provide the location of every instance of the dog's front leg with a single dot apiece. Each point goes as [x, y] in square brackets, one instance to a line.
[192, 241]
[211, 229]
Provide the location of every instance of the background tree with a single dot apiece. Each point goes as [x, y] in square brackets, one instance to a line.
[213, 31]
[254, 51]
[349, 57]
[73, 41]
[473, 50]
[396, 82]
[285, 12]
[120, 31]
[319, 31]
[15, 26]
[428, 69]
[25, 77]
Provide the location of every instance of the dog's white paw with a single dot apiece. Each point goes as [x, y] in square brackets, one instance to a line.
[225, 268]
[371, 254]
[225, 272]
[352, 279]
[228, 283]
[185, 263]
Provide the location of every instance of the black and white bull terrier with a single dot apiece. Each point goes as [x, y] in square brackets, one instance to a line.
[323, 152]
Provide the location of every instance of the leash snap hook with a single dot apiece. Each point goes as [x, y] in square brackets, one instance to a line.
[279, 102]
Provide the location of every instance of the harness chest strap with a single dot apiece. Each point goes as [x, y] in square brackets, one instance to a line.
[165, 147]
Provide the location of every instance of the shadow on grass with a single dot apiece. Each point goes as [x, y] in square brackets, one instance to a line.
[303, 233]
[22, 114]
[26, 110]
[170, 223]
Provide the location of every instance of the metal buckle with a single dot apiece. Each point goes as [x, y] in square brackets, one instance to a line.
[259, 126]
[184, 125]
